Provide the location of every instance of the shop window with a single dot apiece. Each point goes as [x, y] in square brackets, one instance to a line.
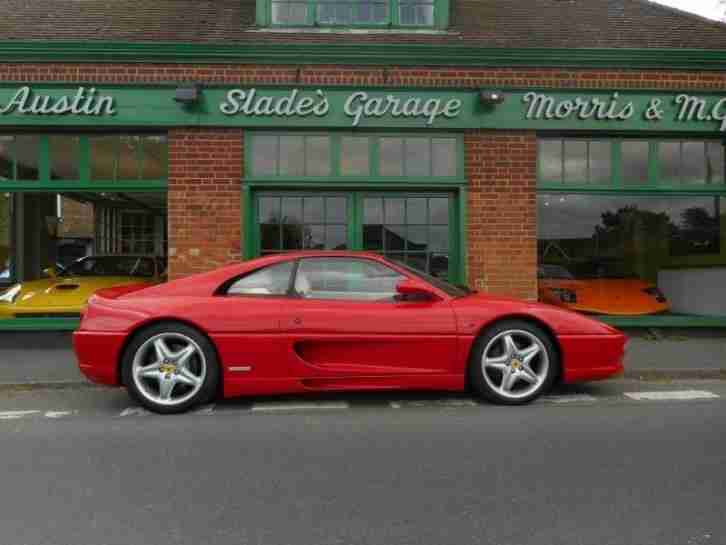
[64, 157]
[413, 230]
[5, 237]
[629, 255]
[690, 162]
[630, 163]
[125, 157]
[366, 13]
[19, 157]
[57, 249]
[340, 155]
[295, 222]
[291, 155]
[71, 161]
[575, 161]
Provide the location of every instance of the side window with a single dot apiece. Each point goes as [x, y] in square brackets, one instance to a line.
[350, 279]
[272, 280]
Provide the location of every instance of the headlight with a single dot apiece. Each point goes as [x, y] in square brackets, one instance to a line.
[655, 292]
[565, 295]
[10, 295]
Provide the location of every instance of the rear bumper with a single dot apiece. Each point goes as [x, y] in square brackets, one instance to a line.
[98, 355]
[591, 357]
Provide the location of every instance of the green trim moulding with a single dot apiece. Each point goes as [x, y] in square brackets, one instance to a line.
[360, 54]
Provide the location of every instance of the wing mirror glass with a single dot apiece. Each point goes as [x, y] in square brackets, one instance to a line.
[412, 289]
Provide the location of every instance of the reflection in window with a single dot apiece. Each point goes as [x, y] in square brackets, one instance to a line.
[635, 156]
[575, 161]
[5, 237]
[27, 150]
[125, 157]
[412, 230]
[291, 155]
[7, 158]
[302, 222]
[616, 254]
[352, 12]
[417, 156]
[64, 157]
[690, 162]
[354, 154]
[295, 155]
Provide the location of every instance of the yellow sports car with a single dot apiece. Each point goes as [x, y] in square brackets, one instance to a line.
[65, 293]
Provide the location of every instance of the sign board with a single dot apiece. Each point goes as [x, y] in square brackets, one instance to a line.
[370, 108]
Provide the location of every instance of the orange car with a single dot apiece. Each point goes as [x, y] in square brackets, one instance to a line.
[613, 296]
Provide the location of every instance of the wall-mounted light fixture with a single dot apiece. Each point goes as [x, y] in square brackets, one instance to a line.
[490, 97]
[188, 94]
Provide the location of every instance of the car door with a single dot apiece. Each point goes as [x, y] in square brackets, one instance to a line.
[244, 322]
[346, 320]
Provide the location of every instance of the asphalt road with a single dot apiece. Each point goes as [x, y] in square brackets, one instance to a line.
[604, 468]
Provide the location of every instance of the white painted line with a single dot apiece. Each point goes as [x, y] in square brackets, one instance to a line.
[678, 395]
[134, 411]
[57, 414]
[204, 410]
[422, 403]
[13, 415]
[574, 398]
[261, 407]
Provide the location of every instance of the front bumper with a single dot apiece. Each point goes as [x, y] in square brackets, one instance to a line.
[591, 357]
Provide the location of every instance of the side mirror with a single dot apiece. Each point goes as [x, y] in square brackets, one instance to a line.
[50, 272]
[415, 290]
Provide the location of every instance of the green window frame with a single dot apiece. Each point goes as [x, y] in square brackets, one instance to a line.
[403, 14]
[650, 177]
[372, 148]
[355, 199]
[65, 162]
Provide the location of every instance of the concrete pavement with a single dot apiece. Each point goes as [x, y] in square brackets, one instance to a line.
[619, 472]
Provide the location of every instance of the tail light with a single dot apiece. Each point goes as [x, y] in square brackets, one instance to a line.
[565, 295]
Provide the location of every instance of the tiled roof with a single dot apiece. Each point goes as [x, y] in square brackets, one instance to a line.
[486, 23]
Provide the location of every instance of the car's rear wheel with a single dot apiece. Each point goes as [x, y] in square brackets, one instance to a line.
[513, 362]
[170, 368]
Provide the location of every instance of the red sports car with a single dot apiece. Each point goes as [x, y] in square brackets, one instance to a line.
[332, 321]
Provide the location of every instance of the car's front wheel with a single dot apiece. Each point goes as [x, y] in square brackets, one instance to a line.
[513, 363]
[170, 368]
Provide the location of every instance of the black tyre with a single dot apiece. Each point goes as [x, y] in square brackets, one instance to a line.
[170, 368]
[513, 362]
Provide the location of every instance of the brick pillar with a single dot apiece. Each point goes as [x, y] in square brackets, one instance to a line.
[502, 171]
[204, 200]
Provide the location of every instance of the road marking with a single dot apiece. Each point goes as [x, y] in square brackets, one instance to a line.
[13, 415]
[573, 398]
[323, 405]
[134, 411]
[433, 403]
[671, 395]
[57, 414]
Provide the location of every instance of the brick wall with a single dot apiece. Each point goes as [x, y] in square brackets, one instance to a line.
[502, 171]
[206, 165]
[205, 169]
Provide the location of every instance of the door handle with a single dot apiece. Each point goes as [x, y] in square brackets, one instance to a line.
[297, 321]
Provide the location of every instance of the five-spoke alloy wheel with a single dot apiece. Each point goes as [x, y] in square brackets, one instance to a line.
[513, 362]
[170, 368]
